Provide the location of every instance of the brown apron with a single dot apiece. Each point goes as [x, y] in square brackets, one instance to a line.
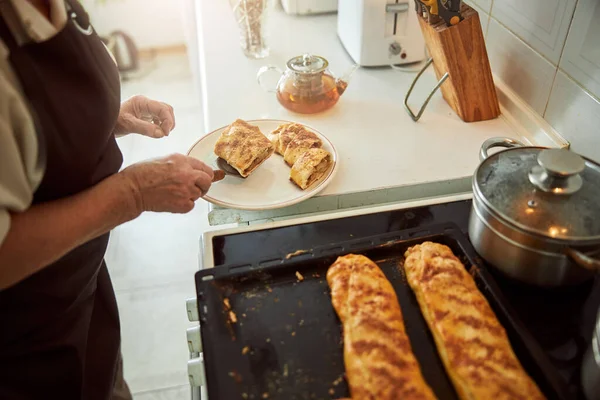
[60, 333]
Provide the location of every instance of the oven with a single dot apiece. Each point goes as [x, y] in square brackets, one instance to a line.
[560, 321]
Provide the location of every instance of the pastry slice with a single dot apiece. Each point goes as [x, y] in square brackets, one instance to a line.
[284, 134]
[379, 361]
[470, 341]
[310, 167]
[299, 145]
[244, 147]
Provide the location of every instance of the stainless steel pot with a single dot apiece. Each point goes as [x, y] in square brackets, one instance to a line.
[536, 213]
[590, 369]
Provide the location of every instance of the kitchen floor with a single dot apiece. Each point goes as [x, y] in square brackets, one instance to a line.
[152, 259]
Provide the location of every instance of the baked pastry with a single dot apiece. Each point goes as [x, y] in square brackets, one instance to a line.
[310, 167]
[283, 135]
[303, 141]
[470, 341]
[244, 147]
[378, 357]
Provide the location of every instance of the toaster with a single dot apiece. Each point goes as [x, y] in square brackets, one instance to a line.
[380, 32]
[305, 7]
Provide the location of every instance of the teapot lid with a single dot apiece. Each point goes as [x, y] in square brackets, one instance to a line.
[308, 64]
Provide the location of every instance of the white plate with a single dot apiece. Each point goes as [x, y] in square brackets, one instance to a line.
[269, 186]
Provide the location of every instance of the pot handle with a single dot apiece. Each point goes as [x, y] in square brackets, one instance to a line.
[583, 260]
[497, 142]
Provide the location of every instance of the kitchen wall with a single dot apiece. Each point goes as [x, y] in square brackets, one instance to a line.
[548, 52]
[151, 23]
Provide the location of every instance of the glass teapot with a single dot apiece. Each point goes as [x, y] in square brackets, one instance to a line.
[307, 86]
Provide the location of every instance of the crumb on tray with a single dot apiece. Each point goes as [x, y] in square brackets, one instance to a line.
[293, 333]
[227, 304]
[236, 377]
[299, 276]
[232, 317]
[331, 392]
[245, 350]
[265, 395]
[296, 253]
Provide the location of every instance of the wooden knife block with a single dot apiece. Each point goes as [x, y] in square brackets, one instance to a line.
[460, 51]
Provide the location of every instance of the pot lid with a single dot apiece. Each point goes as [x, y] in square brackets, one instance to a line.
[308, 64]
[551, 192]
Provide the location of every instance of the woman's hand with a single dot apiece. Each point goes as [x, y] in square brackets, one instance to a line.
[147, 117]
[169, 184]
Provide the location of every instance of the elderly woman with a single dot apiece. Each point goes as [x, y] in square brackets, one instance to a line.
[60, 195]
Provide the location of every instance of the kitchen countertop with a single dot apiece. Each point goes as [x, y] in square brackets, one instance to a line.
[384, 156]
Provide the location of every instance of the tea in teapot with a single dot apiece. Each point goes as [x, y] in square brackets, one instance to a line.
[307, 86]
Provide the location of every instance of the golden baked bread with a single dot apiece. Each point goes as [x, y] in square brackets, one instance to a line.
[310, 167]
[284, 134]
[470, 341]
[378, 357]
[243, 146]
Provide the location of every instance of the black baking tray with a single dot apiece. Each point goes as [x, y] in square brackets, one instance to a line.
[286, 342]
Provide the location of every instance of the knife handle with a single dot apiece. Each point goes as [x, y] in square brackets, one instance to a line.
[433, 6]
[450, 16]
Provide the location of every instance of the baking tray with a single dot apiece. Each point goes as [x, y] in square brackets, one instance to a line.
[286, 341]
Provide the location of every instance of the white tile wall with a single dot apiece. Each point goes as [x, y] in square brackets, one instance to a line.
[581, 57]
[484, 17]
[548, 53]
[541, 23]
[484, 5]
[524, 70]
[576, 115]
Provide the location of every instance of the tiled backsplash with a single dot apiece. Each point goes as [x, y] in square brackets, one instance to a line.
[548, 52]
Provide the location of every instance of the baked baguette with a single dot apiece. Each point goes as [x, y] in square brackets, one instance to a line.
[470, 341]
[310, 167]
[244, 147]
[379, 361]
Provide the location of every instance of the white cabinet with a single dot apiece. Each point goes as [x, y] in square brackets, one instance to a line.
[581, 56]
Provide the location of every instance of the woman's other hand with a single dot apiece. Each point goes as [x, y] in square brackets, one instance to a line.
[147, 117]
[170, 184]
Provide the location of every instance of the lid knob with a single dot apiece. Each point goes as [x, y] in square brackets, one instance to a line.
[558, 171]
[306, 59]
